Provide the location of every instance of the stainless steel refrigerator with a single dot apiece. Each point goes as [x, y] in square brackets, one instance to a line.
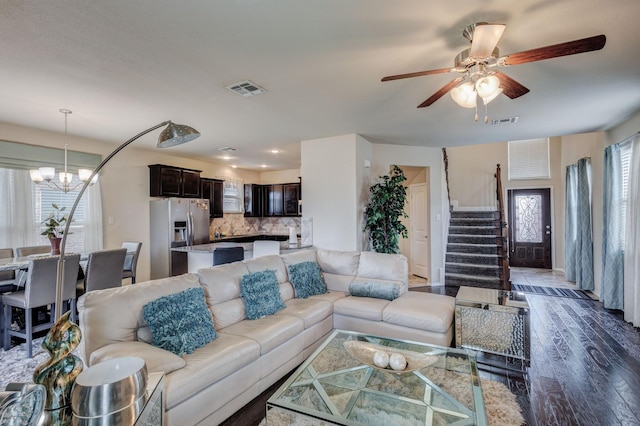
[176, 222]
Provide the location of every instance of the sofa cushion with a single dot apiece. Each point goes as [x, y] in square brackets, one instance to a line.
[299, 256]
[228, 313]
[273, 262]
[261, 294]
[270, 331]
[208, 365]
[306, 279]
[425, 311]
[180, 322]
[311, 311]
[338, 262]
[360, 307]
[384, 266]
[156, 359]
[337, 282]
[222, 283]
[379, 289]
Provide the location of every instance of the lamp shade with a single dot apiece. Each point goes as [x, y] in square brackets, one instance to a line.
[488, 86]
[464, 95]
[176, 134]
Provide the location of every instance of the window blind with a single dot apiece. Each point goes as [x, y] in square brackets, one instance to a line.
[22, 156]
[529, 159]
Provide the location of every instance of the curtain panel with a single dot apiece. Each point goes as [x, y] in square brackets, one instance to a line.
[578, 226]
[632, 242]
[612, 283]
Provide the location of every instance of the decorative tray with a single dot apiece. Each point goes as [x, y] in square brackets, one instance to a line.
[365, 351]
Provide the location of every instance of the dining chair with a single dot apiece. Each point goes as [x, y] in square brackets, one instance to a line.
[224, 255]
[7, 278]
[265, 248]
[40, 290]
[131, 260]
[104, 269]
[28, 251]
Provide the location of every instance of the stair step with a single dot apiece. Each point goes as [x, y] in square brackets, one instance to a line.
[473, 221]
[492, 214]
[473, 239]
[473, 258]
[457, 280]
[473, 230]
[472, 248]
[472, 269]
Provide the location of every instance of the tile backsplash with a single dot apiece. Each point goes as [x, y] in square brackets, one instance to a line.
[253, 225]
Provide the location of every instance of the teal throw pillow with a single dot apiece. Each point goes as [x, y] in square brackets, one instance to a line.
[306, 278]
[261, 294]
[378, 289]
[180, 322]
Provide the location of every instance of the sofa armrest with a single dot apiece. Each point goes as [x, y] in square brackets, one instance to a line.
[156, 359]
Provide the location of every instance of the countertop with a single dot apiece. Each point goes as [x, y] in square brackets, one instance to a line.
[285, 247]
[252, 237]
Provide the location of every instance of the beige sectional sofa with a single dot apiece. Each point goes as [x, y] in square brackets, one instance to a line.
[248, 356]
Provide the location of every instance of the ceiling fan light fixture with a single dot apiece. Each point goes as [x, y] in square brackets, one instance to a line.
[464, 95]
[488, 99]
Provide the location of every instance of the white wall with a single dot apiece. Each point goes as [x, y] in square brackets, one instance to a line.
[386, 155]
[124, 183]
[332, 183]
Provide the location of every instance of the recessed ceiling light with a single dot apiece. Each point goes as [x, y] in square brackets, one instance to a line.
[233, 166]
[275, 151]
[226, 157]
[263, 165]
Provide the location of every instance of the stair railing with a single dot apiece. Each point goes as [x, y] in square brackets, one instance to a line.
[445, 158]
[504, 237]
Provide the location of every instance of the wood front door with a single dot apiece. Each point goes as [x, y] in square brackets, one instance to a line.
[530, 227]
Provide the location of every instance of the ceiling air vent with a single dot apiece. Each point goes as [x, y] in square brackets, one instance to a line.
[510, 120]
[246, 88]
[227, 149]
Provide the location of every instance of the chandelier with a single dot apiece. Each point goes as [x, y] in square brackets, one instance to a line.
[477, 83]
[48, 174]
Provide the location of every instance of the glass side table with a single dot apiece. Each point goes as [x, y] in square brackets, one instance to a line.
[495, 323]
[153, 411]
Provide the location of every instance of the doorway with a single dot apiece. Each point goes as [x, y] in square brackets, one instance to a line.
[530, 227]
[417, 247]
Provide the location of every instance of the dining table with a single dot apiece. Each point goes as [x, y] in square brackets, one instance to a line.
[21, 264]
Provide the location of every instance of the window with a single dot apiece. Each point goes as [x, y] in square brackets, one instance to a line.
[529, 159]
[625, 162]
[44, 197]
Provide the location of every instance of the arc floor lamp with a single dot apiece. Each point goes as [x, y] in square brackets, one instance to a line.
[58, 374]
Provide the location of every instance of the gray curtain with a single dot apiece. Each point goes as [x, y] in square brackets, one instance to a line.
[578, 229]
[612, 228]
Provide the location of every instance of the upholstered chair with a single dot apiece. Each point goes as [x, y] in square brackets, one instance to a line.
[104, 269]
[131, 260]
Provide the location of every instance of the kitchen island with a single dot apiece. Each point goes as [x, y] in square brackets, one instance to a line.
[201, 256]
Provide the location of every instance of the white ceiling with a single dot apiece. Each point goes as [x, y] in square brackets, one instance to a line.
[122, 66]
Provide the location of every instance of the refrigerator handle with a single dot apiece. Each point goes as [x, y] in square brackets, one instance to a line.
[190, 229]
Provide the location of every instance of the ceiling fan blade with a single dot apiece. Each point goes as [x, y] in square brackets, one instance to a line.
[417, 74]
[574, 47]
[510, 87]
[485, 39]
[440, 92]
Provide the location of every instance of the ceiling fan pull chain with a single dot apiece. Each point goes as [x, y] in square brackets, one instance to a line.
[486, 114]
[476, 117]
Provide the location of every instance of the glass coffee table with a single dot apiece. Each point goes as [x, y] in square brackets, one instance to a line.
[340, 384]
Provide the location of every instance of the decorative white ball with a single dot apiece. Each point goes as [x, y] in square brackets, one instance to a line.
[381, 359]
[397, 362]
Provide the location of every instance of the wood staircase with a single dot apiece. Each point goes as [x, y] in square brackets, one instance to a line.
[474, 250]
[477, 248]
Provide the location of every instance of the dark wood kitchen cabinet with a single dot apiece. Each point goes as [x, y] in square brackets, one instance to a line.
[273, 200]
[253, 200]
[212, 190]
[291, 195]
[170, 181]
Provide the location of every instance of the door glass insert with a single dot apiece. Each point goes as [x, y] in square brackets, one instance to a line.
[528, 218]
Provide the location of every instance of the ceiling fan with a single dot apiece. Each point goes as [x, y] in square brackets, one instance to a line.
[479, 66]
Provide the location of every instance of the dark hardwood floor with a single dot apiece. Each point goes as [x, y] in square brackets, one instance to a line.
[585, 368]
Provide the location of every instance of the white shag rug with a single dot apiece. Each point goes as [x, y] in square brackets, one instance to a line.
[15, 367]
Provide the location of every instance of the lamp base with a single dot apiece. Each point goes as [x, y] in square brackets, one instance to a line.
[58, 374]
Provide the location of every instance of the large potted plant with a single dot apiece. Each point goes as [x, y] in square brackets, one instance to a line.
[384, 211]
[54, 227]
